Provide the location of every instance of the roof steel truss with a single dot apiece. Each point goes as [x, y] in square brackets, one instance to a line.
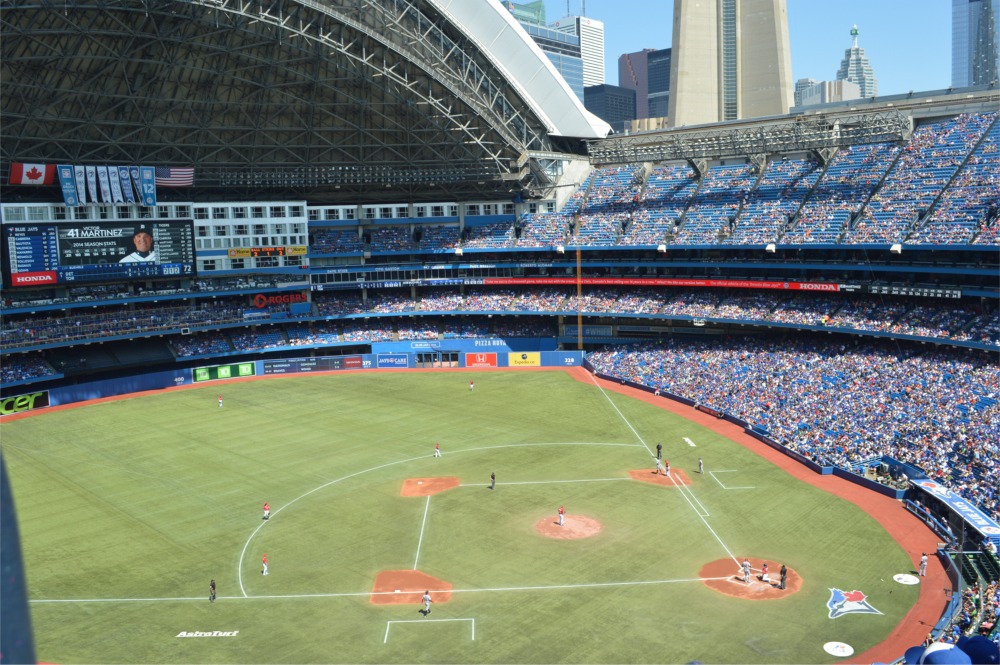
[259, 92]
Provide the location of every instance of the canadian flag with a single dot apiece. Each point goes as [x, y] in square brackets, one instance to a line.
[32, 174]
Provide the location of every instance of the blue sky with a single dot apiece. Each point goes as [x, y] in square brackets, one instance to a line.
[907, 41]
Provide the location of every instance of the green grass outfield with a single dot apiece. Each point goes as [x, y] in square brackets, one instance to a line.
[128, 508]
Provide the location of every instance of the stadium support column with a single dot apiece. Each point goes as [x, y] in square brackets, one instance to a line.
[579, 301]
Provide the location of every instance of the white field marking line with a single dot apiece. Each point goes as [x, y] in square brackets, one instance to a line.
[565, 443]
[420, 541]
[389, 623]
[689, 442]
[546, 482]
[622, 416]
[274, 513]
[684, 491]
[357, 594]
[745, 487]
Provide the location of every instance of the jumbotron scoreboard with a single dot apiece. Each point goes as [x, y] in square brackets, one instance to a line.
[56, 254]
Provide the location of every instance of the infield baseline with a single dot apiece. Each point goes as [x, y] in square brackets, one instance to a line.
[367, 594]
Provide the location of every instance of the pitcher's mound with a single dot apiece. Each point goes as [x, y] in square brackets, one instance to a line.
[574, 527]
[402, 587]
[428, 486]
[676, 477]
[724, 576]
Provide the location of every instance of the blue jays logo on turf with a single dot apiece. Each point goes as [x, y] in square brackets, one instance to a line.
[848, 602]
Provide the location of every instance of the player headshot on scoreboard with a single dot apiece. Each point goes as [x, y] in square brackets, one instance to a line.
[144, 252]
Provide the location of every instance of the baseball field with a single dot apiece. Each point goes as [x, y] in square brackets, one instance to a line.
[128, 507]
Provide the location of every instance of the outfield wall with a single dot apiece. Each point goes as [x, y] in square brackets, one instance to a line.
[474, 357]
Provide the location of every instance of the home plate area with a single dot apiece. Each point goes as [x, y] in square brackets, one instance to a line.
[724, 576]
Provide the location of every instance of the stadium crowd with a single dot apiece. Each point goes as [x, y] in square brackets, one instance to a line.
[840, 404]
[896, 316]
[940, 188]
[926, 165]
[978, 613]
[24, 367]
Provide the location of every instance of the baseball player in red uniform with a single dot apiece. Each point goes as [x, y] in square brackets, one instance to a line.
[264, 563]
[562, 515]
[220, 401]
[267, 510]
[437, 450]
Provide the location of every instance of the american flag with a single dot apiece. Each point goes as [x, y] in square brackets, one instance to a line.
[174, 176]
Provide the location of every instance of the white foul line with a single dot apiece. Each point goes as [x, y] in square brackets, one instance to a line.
[389, 623]
[422, 524]
[684, 491]
[743, 487]
[356, 594]
[689, 442]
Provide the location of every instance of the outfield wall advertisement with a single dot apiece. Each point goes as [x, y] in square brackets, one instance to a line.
[524, 359]
[392, 360]
[481, 360]
[22, 403]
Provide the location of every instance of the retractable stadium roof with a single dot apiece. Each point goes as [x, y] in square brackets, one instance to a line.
[327, 100]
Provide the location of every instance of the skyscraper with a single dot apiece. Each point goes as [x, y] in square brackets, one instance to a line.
[591, 34]
[659, 83]
[648, 73]
[800, 87]
[856, 68]
[612, 104]
[975, 42]
[826, 92]
[560, 47]
[633, 73]
[731, 59]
